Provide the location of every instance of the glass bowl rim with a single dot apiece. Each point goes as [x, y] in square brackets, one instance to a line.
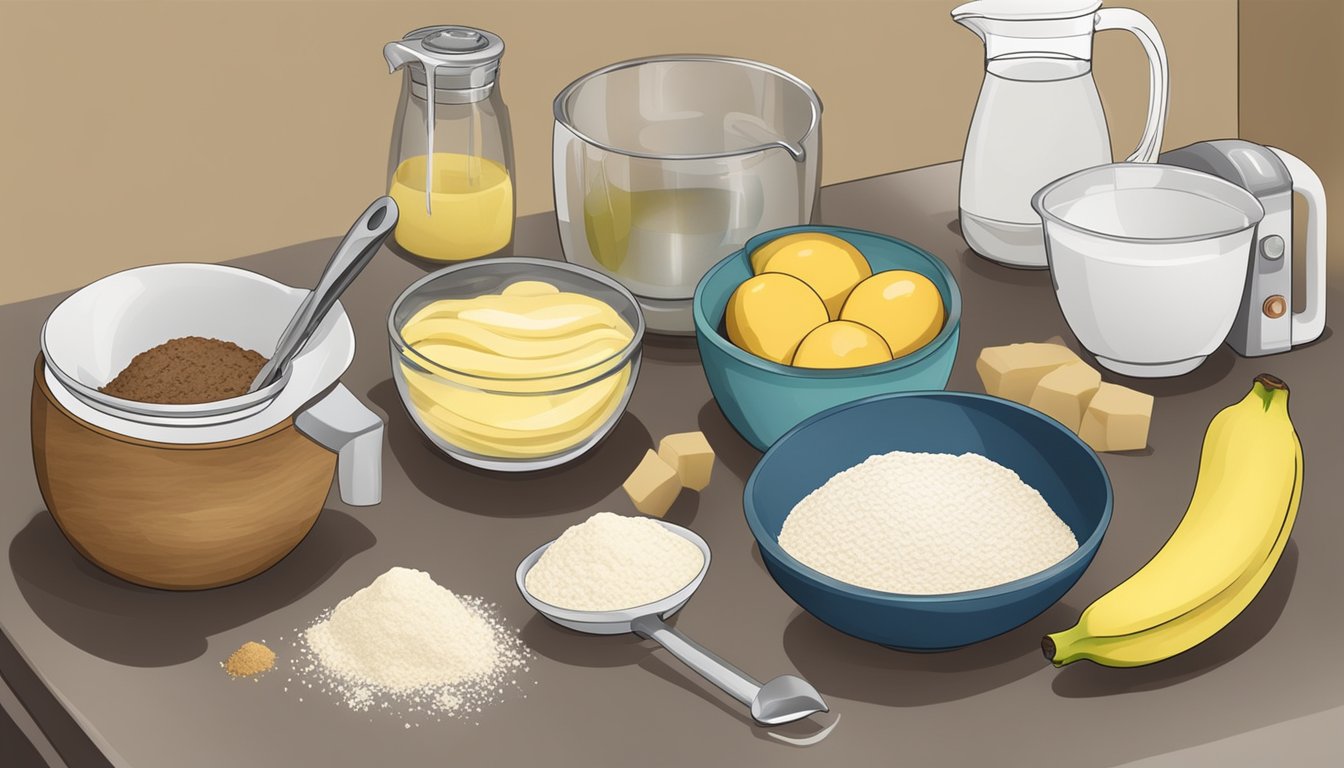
[620, 357]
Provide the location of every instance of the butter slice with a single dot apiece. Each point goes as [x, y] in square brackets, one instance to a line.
[690, 455]
[1013, 371]
[653, 486]
[1064, 393]
[1117, 419]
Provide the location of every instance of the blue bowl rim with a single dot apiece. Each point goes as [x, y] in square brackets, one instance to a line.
[1086, 549]
[951, 323]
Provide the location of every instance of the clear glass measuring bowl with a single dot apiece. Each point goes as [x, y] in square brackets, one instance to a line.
[665, 165]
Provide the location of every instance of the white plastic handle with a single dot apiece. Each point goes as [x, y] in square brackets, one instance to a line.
[1133, 21]
[341, 423]
[1310, 322]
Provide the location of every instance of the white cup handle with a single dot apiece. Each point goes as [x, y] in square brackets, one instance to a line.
[1310, 322]
[341, 423]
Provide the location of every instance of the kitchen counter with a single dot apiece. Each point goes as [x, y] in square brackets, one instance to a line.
[115, 673]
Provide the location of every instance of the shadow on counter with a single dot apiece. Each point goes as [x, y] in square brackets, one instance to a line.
[676, 674]
[675, 350]
[536, 235]
[845, 666]
[1083, 680]
[730, 449]
[577, 485]
[600, 651]
[143, 627]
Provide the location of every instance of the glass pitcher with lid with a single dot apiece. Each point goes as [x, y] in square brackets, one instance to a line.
[451, 163]
[1039, 115]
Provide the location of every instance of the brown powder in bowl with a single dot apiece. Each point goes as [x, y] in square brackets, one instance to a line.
[188, 370]
[250, 659]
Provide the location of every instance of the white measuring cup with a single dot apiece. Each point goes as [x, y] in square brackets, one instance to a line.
[784, 699]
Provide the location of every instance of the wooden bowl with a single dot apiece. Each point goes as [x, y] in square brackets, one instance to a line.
[177, 516]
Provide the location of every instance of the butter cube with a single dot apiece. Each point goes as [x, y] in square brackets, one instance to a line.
[1013, 371]
[1064, 393]
[653, 486]
[1117, 419]
[690, 455]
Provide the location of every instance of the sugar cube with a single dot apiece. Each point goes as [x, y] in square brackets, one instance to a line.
[1012, 371]
[653, 486]
[690, 455]
[1117, 419]
[1064, 393]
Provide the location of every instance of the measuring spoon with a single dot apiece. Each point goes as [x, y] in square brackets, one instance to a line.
[354, 252]
[782, 700]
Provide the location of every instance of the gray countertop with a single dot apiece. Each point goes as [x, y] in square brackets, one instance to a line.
[138, 670]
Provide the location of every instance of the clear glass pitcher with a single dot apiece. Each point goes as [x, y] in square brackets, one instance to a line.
[451, 164]
[1039, 116]
[665, 165]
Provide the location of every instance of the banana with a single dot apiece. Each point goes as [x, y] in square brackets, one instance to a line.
[1239, 520]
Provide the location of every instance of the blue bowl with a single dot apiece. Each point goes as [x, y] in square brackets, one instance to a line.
[1044, 454]
[764, 399]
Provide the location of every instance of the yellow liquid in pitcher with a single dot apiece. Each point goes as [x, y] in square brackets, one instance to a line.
[472, 202]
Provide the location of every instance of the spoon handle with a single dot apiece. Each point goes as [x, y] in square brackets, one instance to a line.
[355, 251]
[732, 680]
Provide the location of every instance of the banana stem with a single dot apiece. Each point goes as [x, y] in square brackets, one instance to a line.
[1269, 388]
[1059, 647]
[1270, 381]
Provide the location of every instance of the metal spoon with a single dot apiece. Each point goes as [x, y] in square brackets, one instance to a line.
[782, 700]
[354, 252]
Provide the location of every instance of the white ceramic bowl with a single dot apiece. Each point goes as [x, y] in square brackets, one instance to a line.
[94, 333]
[1149, 262]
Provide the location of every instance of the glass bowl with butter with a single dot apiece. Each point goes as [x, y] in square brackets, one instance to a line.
[515, 364]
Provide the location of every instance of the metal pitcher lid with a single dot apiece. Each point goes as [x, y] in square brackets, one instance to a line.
[454, 51]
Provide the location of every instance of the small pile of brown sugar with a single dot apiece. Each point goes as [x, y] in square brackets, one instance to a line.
[188, 370]
[250, 659]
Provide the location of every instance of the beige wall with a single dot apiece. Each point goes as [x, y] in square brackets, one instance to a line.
[210, 130]
[1292, 92]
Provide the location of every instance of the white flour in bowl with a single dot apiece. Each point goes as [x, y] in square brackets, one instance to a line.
[406, 644]
[926, 523]
[609, 562]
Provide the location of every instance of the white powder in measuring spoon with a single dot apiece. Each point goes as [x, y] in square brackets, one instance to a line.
[610, 562]
[926, 523]
[407, 641]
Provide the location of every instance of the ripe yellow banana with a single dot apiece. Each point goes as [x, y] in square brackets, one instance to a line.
[1238, 523]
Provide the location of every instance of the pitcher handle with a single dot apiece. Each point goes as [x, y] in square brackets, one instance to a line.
[1133, 21]
[1310, 322]
[340, 422]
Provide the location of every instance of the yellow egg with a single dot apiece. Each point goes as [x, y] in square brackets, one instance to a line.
[831, 266]
[769, 314]
[905, 307]
[841, 344]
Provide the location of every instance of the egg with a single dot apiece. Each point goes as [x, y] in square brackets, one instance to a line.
[829, 265]
[841, 344]
[769, 314]
[904, 307]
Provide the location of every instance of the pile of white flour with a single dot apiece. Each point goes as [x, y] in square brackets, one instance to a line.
[610, 562]
[926, 523]
[406, 643]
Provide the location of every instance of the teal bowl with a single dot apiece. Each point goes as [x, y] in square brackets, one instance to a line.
[1044, 453]
[763, 399]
